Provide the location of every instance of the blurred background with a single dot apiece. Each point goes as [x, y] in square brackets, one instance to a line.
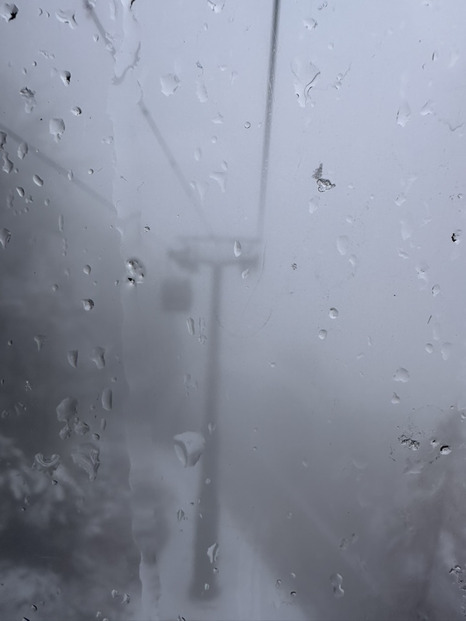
[232, 379]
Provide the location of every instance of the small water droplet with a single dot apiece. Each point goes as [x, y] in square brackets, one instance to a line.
[88, 304]
[56, 128]
[429, 348]
[333, 313]
[401, 375]
[212, 553]
[247, 125]
[198, 155]
[114, 593]
[65, 77]
[445, 449]
[190, 325]
[107, 399]
[22, 150]
[245, 273]
[309, 23]
[135, 270]
[336, 581]
[455, 237]
[46, 464]
[445, 350]
[77, 111]
[403, 114]
[29, 99]
[409, 442]
[427, 109]
[5, 236]
[216, 5]
[39, 340]
[169, 83]
[342, 244]
[201, 91]
[72, 357]
[7, 164]
[435, 290]
[38, 180]
[98, 357]
[313, 205]
[395, 399]
[189, 447]
[322, 334]
[237, 249]
[87, 269]
[180, 515]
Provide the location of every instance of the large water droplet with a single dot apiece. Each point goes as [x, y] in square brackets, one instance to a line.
[88, 304]
[7, 164]
[169, 83]
[67, 409]
[8, 11]
[189, 447]
[87, 458]
[67, 17]
[333, 313]
[445, 450]
[46, 464]
[56, 128]
[5, 236]
[401, 375]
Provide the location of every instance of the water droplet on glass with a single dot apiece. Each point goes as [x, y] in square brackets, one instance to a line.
[87, 458]
[66, 17]
[247, 125]
[409, 442]
[201, 91]
[212, 553]
[67, 409]
[39, 340]
[401, 375]
[22, 150]
[245, 273]
[322, 334]
[435, 290]
[429, 348]
[395, 399]
[237, 250]
[217, 120]
[72, 357]
[445, 350]
[427, 108]
[44, 464]
[216, 5]
[5, 236]
[305, 77]
[38, 180]
[107, 399]
[333, 313]
[313, 205]
[310, 23]
[189, 447]
[76, 111]
[403, 114]
[336, 581]
[29, 99]
[445, 450]
[190, 325]
[8, 11]
[7, 164]
[88, 304]
[342, 244]
[135, 270]
[455, 237]
[198, 155]
[56, 128]
[65, 77]
[169, 83]
[180, 515]
[80, 427]
[87, 269]
[98, 357]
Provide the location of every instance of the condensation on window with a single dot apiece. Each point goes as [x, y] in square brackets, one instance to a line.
[232, 339]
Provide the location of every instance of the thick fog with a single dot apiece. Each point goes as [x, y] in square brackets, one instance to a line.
[233, 347]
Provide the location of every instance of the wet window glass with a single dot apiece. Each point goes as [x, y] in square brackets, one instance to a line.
[232, 371]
